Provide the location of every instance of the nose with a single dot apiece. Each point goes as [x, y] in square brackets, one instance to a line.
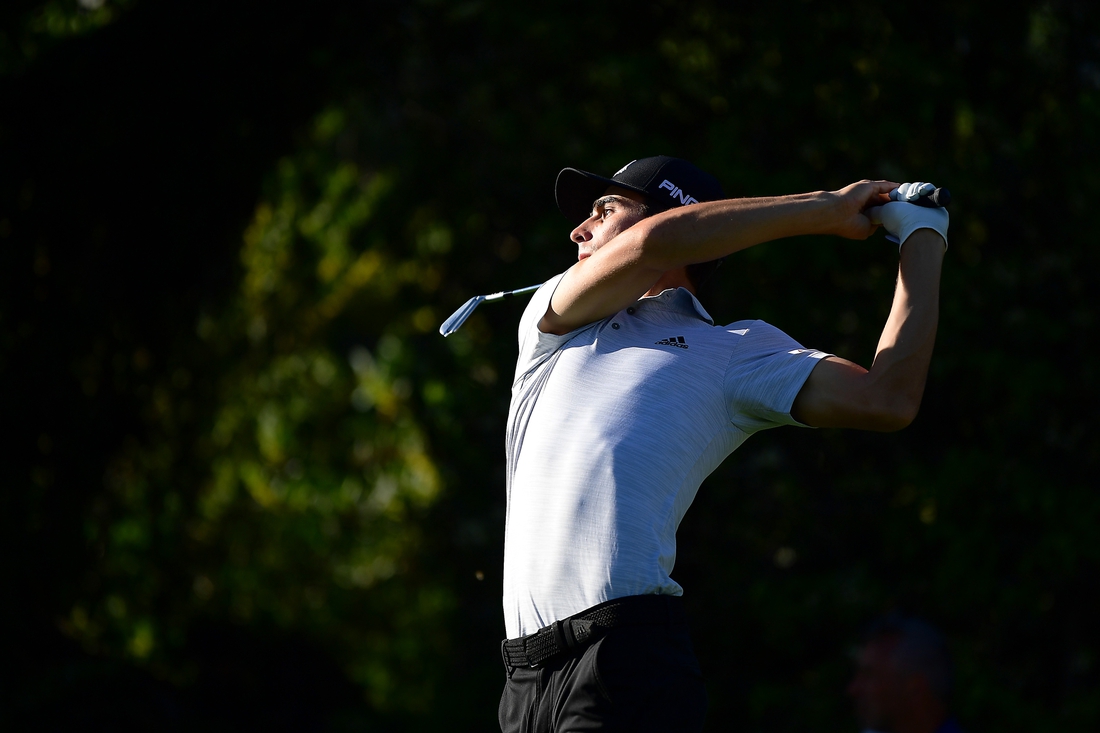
[581, 234]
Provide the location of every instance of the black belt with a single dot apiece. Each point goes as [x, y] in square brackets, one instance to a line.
[573, 634]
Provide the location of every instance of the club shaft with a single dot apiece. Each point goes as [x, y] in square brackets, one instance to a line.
[509, 293]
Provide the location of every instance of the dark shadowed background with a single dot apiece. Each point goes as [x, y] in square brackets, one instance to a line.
[247, 486]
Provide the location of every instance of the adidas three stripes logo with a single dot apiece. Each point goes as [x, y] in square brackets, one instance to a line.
[677, 341]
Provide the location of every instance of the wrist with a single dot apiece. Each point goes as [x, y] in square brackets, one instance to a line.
[902, 220]
[839, 212]
[820, 212]
[834, 213]
[925, 237]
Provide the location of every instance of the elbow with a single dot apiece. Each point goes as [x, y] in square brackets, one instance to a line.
[897, 414]
[553, 324]
[655, 245]
[894, 422]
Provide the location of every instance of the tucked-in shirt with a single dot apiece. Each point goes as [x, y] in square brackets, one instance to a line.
[611, 430]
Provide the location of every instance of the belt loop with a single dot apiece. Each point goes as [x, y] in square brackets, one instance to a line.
[559, 636]
[569, 634]
[526, 653]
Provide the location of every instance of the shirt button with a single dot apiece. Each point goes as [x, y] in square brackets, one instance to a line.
[615, 325]
[630, 311]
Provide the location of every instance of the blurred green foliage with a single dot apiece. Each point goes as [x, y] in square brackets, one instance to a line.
[31, 27]
[250, 486]
[313, 470]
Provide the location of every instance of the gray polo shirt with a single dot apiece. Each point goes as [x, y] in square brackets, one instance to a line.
[611, 430]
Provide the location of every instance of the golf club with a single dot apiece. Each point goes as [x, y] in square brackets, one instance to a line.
[459, 317]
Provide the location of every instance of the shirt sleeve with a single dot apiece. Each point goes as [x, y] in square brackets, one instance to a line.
[534, 345]
[764, 375]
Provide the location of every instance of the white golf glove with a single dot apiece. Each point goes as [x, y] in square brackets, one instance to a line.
[911, 192]
[900, 218]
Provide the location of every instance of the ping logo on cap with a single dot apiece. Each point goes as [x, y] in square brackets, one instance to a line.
[677, 193]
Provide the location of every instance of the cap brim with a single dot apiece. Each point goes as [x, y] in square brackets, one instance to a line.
[576, 191]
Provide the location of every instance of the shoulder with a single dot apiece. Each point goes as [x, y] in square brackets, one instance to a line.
[537, 306]
[754, 326]
[759, 336]
[535, 344]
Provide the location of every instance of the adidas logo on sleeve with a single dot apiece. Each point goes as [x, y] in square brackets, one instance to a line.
[677, 341]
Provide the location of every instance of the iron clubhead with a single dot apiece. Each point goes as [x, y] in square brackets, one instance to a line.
[459, 317]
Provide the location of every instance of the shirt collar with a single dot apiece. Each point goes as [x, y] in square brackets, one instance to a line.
[677, 299]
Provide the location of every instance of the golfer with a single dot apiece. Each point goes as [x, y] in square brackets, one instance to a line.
[627, 395]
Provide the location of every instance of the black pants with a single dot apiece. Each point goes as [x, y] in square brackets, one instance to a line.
[633, 678]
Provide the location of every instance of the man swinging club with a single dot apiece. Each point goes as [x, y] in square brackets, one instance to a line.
[626, 396]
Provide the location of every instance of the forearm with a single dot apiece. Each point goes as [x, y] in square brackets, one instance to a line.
[709, 231]
[904, 351]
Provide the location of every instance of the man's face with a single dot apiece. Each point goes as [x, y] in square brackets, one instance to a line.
[614, 212]
[878, 686]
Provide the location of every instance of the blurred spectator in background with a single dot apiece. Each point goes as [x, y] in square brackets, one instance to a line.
[903, 678]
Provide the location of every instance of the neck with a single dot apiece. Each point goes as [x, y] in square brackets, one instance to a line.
[672, 279]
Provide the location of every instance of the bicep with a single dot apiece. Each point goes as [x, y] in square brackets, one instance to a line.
[841, 394]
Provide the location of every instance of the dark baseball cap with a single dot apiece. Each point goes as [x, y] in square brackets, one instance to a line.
[666, 182]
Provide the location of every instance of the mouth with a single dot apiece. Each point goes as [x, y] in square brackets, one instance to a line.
[583, 256]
